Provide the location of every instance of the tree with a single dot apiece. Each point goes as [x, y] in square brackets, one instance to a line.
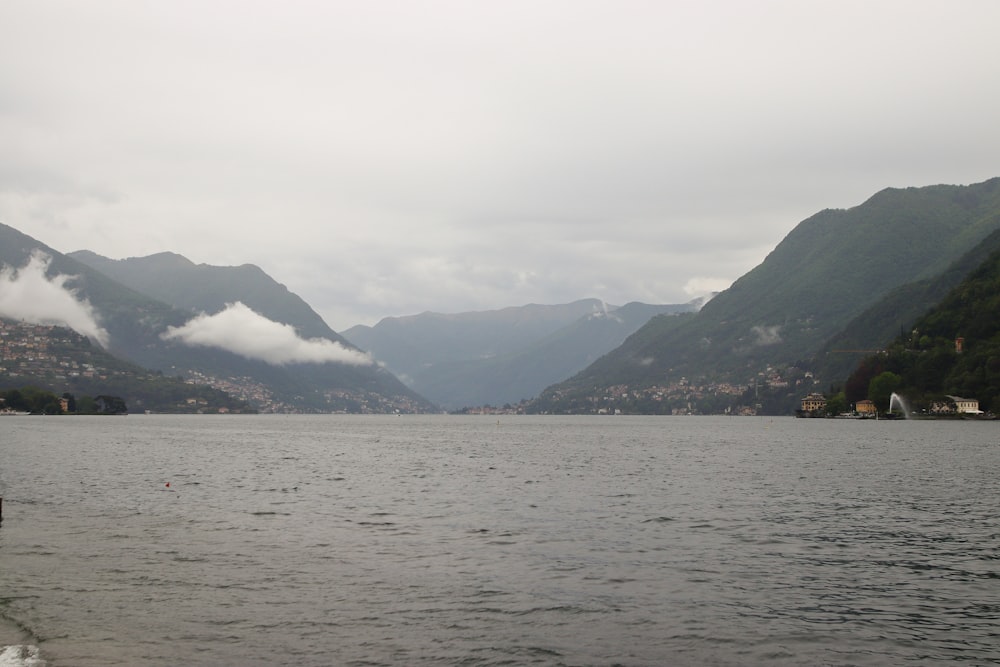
[859, 382]
[836, 404]
[86, 405]
[110, 405]
[41, 401]
[881, 388]
[15, 400]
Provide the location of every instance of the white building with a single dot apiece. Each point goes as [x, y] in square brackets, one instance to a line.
[969, 406]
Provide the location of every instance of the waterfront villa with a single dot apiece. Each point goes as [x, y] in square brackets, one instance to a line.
[865, 408]
[813, 402]
[963, 406]
[813, 405]
[968, 406]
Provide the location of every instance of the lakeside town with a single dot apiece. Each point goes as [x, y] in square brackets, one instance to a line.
[59, 357]
[33, 350]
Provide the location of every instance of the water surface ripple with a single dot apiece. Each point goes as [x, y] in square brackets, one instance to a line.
[440, 540]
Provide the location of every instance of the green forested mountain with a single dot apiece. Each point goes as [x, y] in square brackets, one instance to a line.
[926, 362]
[895, 314]
[769, 325]
[135, 322]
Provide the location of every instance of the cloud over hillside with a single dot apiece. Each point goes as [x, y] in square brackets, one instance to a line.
[29, 294]
[242, 331]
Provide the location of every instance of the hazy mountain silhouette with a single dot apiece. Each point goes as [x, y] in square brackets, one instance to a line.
[501, 356]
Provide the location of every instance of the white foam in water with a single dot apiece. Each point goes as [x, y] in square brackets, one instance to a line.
[20, 655]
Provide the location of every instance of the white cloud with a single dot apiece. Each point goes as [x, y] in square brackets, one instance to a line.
[704, 286]
[767, 335]
[239, 329]
[29, 294]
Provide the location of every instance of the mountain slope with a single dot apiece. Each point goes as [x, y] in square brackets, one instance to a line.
[927, 362]
[501, 356]
[826, 271]
[60, 360]
[176, 280]
[896, 313]
[136, 321]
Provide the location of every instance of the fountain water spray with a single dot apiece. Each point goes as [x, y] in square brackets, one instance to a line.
[897, 400]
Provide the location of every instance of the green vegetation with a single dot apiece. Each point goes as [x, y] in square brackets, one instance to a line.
[881, 388]
[954, 349]
[837, 404]
[30, 399]
[893, 315]
[39, 401]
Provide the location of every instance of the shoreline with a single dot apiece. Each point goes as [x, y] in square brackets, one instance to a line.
[11, 634]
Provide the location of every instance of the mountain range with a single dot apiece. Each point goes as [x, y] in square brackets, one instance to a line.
[501, 356]
[765, 331]
[138, 327]
[841, 284]
[489, 357]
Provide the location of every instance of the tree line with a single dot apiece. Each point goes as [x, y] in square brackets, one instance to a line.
[43, 402]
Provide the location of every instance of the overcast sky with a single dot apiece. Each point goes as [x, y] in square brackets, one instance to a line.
[387, 158]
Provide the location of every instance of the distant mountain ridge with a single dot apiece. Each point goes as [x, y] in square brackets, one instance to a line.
[435, 337]
[501, 356]
[826, 271]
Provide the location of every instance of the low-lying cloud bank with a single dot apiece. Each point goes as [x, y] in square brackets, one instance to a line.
[767, 335]
[242, 331]
[29, 294]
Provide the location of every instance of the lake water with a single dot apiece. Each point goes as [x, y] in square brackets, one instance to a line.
[443, 540]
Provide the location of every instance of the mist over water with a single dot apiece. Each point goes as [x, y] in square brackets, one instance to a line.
[536, 540]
